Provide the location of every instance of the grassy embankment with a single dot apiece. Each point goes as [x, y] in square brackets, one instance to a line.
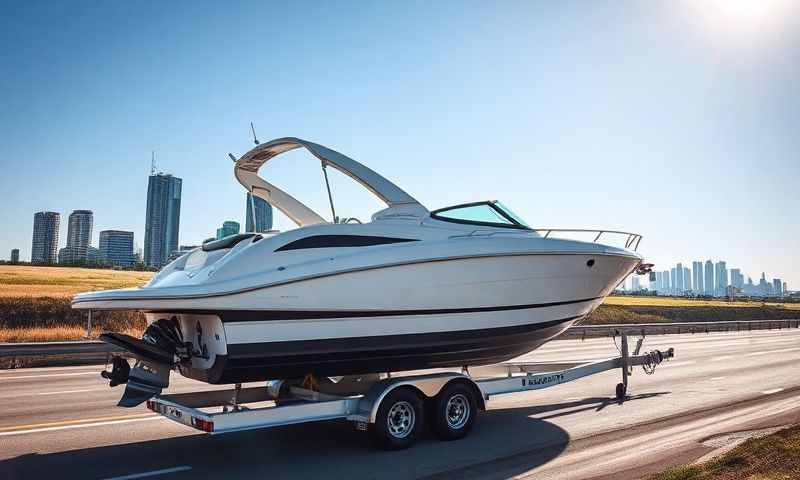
[775, 456]
[35, 305]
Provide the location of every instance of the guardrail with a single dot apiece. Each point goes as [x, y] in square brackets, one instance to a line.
[631, 239]
[16, 355]
[584, 331]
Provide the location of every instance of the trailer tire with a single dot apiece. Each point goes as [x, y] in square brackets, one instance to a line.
[454, 411]
[399, 419]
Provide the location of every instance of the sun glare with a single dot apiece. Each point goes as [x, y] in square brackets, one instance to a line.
[744, 20]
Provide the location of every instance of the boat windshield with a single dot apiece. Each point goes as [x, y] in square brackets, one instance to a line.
[491, 213]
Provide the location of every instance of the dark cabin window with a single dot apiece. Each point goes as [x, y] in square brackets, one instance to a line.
[330, 241]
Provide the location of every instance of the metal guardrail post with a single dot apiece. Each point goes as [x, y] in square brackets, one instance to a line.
[89, 324]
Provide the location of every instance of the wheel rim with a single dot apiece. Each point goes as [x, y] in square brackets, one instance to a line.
[457, 411]
[400, 419]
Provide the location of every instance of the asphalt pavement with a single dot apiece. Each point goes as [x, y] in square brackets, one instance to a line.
[62, 422]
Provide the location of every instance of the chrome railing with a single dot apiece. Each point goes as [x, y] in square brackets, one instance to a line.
[631, 241]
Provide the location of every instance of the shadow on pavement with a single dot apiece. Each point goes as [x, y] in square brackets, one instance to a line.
[508, 439]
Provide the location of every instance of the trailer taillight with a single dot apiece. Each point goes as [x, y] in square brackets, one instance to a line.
[204, 425]
[151, 405]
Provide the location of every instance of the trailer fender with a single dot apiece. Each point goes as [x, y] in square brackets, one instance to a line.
[427, 386]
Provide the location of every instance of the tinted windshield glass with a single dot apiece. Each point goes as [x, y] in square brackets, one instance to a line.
[483, 213]
[511, 214]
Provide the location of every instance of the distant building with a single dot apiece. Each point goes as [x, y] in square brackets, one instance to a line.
[665, 284]
[79, 236]
[116, 248]
[44, 248]
[673, 275]
[263, 215]
[228, 228]
[777, 287]
[15, 255]
[721, 275]
[162, 221]
[737, 279]
[708, 282]
[763, 286]
[697, 277]
[785, 288]
[635, 285]
[679, 278]
[687, 280]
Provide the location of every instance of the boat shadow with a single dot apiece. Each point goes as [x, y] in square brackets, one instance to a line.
[504, 442]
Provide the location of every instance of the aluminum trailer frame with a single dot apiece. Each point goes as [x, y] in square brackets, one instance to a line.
[360, 399]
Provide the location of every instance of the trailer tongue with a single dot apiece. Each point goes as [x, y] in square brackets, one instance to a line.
[392, 407]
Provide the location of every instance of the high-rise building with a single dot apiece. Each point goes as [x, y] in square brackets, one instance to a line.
[679, 278]
[665, 281]
[163, 218]
[79, 236]
[44, 248]
[116, 248]
[263, 215]
[721, 275]
[708, 281]
[785, 288]
[15, 255]
[737, 279]
[673, 280]
[697, 278]
[777, 287]
[687, 280]
[228, 228]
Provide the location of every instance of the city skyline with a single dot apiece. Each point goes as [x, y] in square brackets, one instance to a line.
[564, 132]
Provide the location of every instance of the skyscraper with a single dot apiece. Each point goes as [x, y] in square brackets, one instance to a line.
[15, 255]
[44, 248]
[163, 218]
[679, 278]
[263, 215]
[697, 277]
[687, 280]
[737, 279]
[635, 285]
[721, 274]
[116, 248]
[665, 281]
[777, 287]
[708, 282]
[228, 228]
[673, 275]
[79, 236]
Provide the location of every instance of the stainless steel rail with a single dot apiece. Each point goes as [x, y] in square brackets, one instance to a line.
[631, 241]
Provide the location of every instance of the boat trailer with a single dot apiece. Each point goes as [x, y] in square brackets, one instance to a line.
[392, 407]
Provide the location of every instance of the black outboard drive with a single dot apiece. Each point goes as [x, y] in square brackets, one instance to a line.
[159, 350]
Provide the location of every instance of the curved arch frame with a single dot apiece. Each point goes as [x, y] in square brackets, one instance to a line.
[247, 167]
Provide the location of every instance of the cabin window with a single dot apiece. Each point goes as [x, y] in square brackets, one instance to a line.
[338, 241]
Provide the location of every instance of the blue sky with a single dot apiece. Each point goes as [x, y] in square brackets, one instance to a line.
[678, 120]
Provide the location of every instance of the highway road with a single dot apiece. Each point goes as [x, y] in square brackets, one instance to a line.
[63, 423]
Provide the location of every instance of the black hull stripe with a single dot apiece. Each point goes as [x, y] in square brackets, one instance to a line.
[268, 315]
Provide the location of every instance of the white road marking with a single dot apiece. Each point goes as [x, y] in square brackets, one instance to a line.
[71, 391]
[770, 392]
[80, 425]
[49, 375]
[182, 468]
[716, 379]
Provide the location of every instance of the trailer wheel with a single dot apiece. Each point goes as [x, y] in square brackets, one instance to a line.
[454, 412]
[398, 421]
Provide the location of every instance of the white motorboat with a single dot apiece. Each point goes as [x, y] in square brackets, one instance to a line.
[410, 289]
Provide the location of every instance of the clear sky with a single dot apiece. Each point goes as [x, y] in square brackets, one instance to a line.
[678, 120]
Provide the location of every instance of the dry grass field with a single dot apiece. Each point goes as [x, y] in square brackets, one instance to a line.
[35, 302]
[690, 302]
[57, 282]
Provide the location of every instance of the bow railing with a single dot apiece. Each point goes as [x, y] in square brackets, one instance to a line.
[631, 239]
